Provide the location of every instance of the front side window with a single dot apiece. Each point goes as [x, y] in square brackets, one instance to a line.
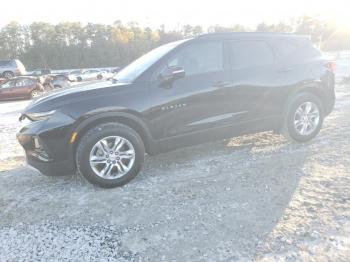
[24, 83]
[199, 58]
[250, 54]
[136, 68]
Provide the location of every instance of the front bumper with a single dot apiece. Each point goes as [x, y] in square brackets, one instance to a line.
[52, 168]
[46, 144]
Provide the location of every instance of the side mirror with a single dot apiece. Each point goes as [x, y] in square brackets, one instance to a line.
[172, 73]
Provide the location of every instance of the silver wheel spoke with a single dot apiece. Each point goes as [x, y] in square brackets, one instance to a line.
[313, 114]
[98, 160]
[298, 123]
[106, 171]
[311, 124]
[120, 145]
[117, 141]
[103, 146]
[300, 111]
[120, 168]
[303, 128]
[127, 154]
[308, 107]
[123, 166]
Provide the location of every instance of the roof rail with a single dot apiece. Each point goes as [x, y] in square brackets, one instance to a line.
[250, 34]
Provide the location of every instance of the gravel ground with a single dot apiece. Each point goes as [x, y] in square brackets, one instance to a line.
[256, 197]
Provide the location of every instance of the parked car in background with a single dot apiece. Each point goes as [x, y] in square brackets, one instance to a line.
[40, 72]
[20, 88]
[11, 68]
[106, 74]
[72, 75]
[60, 81]
[115, 69]
[182, 93]
[90, 74]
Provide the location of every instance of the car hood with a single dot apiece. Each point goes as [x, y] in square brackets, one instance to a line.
[57, 98]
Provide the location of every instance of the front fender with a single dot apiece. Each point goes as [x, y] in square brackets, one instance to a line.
[132, 119]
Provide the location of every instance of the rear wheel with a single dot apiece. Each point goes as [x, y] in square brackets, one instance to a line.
[110, 155]
[8, 74]
[304, 117]
[34, 94]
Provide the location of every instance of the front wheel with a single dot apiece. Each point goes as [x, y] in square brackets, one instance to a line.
[304, 117]
[110, 155]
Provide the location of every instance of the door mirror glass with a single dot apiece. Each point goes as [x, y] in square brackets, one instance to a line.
[172, 73]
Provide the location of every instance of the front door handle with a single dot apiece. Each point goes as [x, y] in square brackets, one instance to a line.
[221, 84]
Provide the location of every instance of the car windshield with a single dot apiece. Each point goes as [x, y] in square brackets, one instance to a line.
[136, 68]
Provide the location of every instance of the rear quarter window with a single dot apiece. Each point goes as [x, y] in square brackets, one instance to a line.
[294, 50]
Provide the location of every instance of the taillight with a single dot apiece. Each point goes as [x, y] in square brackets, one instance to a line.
[331, 65]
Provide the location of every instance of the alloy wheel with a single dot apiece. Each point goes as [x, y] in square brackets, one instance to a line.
[306, 118]
[112, 157]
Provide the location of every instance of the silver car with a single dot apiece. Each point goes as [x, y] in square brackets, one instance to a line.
[11, 68]
[90, 74]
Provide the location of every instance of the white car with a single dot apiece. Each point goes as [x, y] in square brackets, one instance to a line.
[86, 75]
[107, 74]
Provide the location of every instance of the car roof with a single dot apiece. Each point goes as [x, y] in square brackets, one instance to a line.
[24, 77]
[248, 35]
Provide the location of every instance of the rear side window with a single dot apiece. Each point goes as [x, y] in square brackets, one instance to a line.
[248, 54]
[199, 58]
[284, 47]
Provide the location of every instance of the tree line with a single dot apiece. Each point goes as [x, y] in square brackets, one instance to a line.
[73, 45]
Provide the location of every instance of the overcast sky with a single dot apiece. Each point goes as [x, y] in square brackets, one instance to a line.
[173, 13]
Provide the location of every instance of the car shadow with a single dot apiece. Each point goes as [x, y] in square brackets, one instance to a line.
[225, 195]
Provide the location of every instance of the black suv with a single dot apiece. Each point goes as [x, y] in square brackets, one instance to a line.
[182, 93]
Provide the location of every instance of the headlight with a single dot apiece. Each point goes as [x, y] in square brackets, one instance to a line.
[40, 116]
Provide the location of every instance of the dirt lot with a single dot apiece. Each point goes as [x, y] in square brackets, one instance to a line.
[257, 197]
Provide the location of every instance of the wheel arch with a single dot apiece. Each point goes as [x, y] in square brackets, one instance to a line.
[125, 118]
[313, 88]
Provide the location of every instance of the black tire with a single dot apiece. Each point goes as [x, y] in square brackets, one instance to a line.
[294, 103]
[57, 86]
[79, 79]
[92, 137]
[8, 74]
[99, 77]
[35, 93]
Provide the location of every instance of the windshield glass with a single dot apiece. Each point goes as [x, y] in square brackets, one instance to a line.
[136, 68]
